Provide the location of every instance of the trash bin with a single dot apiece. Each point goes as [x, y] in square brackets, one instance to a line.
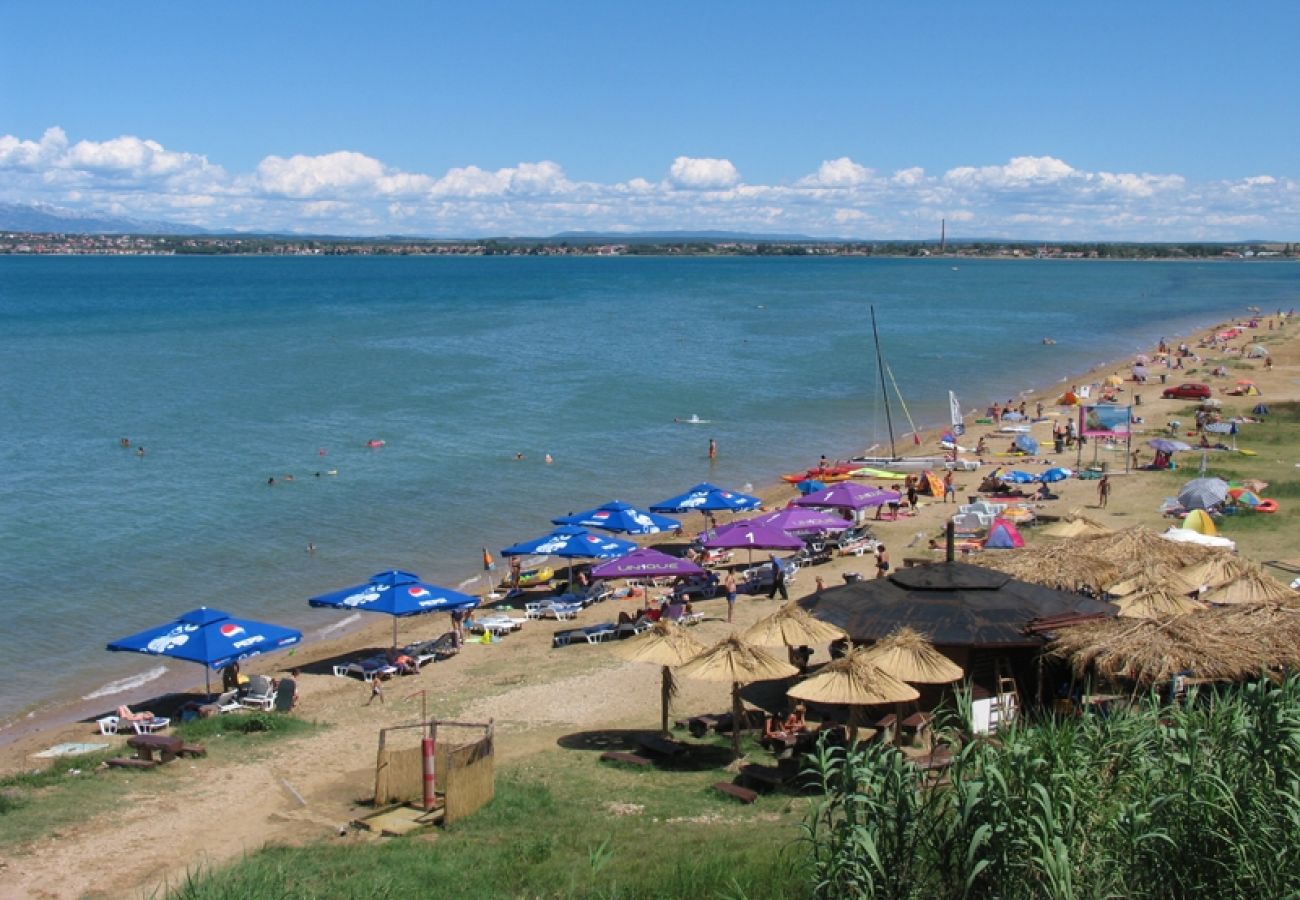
[1164, 377]
[1137, 399]
[1059, 444]
[852, 577]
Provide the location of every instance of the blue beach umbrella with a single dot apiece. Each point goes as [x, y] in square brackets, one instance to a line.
[621, 517]
[1027, 444]
[398, 594]
[810, 486]
[1015, 476]
[209, 637]
[571, 542]
[706, 497]
[1056, 474]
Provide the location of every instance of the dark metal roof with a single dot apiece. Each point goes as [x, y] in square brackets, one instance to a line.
[953, 604]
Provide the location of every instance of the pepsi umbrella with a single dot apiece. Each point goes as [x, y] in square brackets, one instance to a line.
[571, 542]
[1015, 476]
[809, 485]
[1058, 473]
[620, 517]
[646, 563]
[399, 594]
[210, 637]
[706, 497]
[1026, 443]
[848, 495]
[802, 520]
[1165, 445]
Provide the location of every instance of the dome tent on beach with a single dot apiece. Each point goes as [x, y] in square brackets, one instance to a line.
[1003, 535]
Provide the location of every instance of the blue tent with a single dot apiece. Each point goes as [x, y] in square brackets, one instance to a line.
[810, 486]
[620, 517]
[1026, 443]
[209, 637]
[706, 497]
[571, 542]
[1055, 474]
[397, 594]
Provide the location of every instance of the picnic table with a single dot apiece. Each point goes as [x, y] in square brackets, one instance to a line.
[147, 745]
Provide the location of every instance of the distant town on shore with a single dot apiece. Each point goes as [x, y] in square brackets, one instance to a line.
[55, 243]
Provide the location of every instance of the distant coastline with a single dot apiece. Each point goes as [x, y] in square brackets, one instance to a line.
[15, 243]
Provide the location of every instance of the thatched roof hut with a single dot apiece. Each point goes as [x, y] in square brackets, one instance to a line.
[1221, 643]
[1156, 603]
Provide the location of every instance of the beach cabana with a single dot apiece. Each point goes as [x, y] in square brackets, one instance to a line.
[734, 661]
[210, 637]
[397, 594]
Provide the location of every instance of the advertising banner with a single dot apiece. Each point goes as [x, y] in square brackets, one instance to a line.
[1105, 420]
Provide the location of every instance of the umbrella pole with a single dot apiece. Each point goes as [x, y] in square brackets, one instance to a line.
[207, 681]
[394, 632]
[736, 712]
[665, 690]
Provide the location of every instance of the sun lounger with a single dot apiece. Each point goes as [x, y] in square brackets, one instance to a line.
[499, 624]
[592, 634]
[561, 611]
[108, 725]
[149, 726]
[260, 693]
[443, 647]
[367, 669]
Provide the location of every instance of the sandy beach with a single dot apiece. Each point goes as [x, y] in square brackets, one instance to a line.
[177, 819]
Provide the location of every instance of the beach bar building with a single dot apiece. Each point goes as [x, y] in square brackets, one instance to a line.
[992, 625]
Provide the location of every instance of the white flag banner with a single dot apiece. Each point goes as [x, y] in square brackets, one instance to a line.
[958, 427]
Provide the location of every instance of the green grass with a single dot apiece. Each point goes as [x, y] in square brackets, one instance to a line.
[69, 790]
[553, 831]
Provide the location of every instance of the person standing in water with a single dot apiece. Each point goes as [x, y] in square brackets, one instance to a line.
[713, 449]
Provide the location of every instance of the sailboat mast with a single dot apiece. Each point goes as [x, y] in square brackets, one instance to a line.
[884, 388]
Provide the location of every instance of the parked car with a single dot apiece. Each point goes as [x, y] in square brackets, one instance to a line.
[1189, 391]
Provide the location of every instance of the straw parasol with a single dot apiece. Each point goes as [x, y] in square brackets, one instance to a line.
[733, 660]
[792, 627]
[1253, 587]
[664, 644]
[854, 682]
[1222, 643]
[1217, 569]
[1062, 564]
[1155, 604]
[1143, 546]
[908, 656]
[1160, 576]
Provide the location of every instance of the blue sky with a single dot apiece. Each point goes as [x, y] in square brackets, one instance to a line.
[1138, 121]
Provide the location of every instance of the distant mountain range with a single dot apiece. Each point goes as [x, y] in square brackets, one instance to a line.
[41, 218]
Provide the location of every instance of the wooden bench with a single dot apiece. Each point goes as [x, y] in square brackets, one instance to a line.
[915, 724]
[743, 794]
[699, 726]
[167, 748]
[620, 757]
[767, 776]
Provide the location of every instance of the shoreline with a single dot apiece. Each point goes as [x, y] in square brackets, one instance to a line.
[73, 709]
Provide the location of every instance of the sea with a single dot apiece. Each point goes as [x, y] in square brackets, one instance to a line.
[226, 373]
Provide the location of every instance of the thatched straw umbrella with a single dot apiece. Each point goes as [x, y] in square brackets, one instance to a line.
[1254, 587]
[1076, 525]
[1226, 643]
[664, 644]
[1062, 564]
[792, 627]
[1143, 546]
[1156, 603]
[1218, 569]
[733, 660]
[852, 682]
[908, 656]
[1160, 576]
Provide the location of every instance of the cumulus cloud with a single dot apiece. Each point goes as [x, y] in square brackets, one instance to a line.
[837, 173]
[346, 192]
[702, 174]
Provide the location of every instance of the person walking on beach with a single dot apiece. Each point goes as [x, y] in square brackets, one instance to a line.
[713, 449]
[949, 489]
[729, 585]
[1103, 491]
[882, 561]
[778, 580]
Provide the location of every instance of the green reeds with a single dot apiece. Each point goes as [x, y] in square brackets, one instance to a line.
[1198, 800]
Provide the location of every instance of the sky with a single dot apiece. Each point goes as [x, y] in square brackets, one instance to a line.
[873, 120]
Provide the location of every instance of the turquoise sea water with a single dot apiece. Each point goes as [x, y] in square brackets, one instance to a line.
[231, 371]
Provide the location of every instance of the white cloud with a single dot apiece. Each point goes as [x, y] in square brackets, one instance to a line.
[702, 174]
[837, 173]
[346, 192]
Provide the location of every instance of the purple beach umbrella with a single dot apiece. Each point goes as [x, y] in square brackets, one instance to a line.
[645, 563]
[802, 520]
[848, 495]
